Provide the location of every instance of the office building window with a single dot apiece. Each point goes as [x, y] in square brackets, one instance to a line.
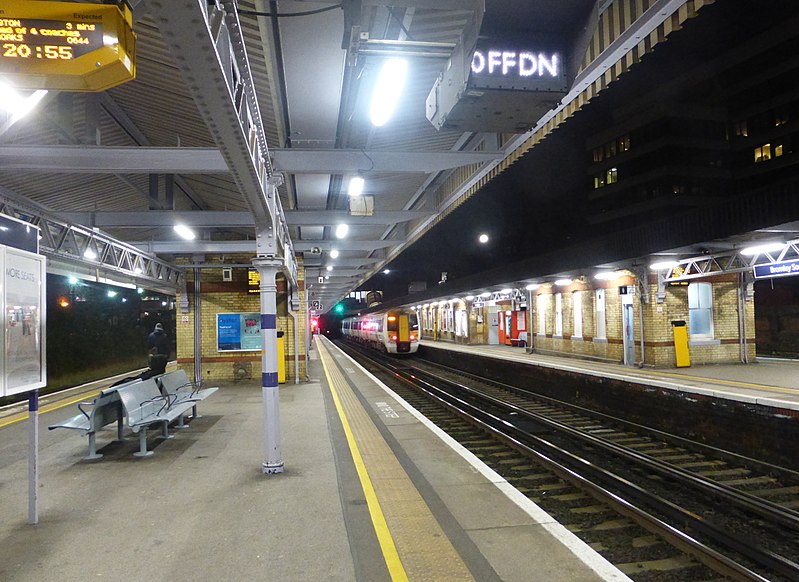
[763, 153]
[700, 310]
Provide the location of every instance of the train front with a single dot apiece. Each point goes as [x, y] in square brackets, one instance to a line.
[403, 332]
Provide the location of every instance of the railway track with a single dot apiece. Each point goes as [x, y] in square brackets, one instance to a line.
[659, 507]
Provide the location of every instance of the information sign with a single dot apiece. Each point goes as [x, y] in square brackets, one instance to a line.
[23, 359]
[238, 332]
[66, 46]
[783, 269]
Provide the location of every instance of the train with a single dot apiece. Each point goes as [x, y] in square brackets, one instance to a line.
[394, 331]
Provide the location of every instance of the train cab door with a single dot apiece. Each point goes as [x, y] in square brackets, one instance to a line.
[493, 324]
[628, 326]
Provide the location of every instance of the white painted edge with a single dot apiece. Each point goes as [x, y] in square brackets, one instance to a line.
[575, 545]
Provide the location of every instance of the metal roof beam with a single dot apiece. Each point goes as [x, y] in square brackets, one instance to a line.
[177, 247]
[296, 161]
[221, 219]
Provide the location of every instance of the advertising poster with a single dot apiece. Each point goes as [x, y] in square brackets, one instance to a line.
[238, 332]
[24, 321]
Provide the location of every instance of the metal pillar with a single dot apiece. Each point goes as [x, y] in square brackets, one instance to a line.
[273, 459]
[33, 457]
[198, 346]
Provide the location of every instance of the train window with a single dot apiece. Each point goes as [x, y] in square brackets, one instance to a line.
[413, 321]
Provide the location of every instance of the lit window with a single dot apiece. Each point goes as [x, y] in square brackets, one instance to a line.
[700, 310]
[763, 153]
[624, 143]
[577, 301]
[741, 129]
[777, 150]
[612, 176]
[559, 314]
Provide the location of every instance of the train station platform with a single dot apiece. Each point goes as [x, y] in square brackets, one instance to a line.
[370, 492]
[765, 382]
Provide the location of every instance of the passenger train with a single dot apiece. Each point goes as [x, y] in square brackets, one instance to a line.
[395, 331]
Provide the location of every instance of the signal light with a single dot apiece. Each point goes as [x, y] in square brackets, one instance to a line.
[339, 308]
[314, 322]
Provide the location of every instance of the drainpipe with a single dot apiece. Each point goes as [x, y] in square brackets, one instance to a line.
[198, 346]
[530, 332]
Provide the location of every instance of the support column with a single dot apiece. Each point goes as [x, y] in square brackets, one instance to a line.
[273, 459]
[33, 457]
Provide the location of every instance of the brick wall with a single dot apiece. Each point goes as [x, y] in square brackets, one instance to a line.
[220, 296]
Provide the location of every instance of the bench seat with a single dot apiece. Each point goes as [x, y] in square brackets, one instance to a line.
[177, 385]
[144, 406]
[104, 409]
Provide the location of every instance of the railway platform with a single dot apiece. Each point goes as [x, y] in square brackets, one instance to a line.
[370, 492]
[767, 382]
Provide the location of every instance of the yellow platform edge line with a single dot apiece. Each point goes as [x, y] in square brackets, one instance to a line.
[384, 538]
[20, 416]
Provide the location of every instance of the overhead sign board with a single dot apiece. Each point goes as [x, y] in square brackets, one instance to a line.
[66, 46]
[783, 269]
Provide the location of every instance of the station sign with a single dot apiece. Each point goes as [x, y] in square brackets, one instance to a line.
[503, 65]
[66, 46]
[783, 269]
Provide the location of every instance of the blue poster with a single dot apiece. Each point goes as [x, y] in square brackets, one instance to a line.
[237, 332]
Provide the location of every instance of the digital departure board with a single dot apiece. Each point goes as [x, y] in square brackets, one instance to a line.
[66, 46]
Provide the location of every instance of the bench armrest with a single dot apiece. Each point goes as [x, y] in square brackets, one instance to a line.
[81, 405]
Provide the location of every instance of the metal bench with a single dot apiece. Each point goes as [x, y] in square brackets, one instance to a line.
[144, 406]
[178, 386]
[104, 409]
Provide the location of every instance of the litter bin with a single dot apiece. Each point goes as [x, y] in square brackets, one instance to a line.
[681, 343]
[281, 358]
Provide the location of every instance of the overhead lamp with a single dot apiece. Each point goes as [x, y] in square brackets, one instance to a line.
[341, 230]
[184, 232]
[355, 187]
[663, 265]
[506, 291]
[532, 286]
[16, 105]
[387, 91]
[329, 268]
[469, 297]
[483, 238]
[89, 254]
[769, 247]
[73, 280]
[563, 282]
[386, 271]
[112, 293]
[607, 275]
[334, 254]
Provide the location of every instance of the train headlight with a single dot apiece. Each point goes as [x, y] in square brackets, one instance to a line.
[393, 338]
[413, 338]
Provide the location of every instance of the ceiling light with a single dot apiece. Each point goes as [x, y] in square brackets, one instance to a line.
[329, 267]
[73, 280]
[506, 291]
[341, 230]
[483, 238]
[532, 286]
[112, 293]
[90, 254]
[563, 282]
[663, 265]
[184, 231]
[608, 275]
[334, 254]
[469, 297]
[387, 91]
[15, 104]
[386, 271]
[769, 247]
[356, 186]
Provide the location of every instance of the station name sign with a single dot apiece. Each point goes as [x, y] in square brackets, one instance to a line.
[66, 46]
[522, 64]
[783, 269]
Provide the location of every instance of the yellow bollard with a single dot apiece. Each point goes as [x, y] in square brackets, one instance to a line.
[681, 343]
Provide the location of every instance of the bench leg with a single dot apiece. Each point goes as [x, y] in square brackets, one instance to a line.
[165, 431]
[120, 425]
[143, 452]
[93, 454]
[181, 422]
[194, 413]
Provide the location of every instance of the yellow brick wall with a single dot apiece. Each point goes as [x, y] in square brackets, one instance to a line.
[233, 297]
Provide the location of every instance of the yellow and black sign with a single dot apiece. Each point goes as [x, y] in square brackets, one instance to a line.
[253, 281]
[66, 46]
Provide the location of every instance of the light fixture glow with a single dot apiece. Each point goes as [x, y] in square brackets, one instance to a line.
[137, 270]
[73, 280]
[16, 105]
[663, 265]
[387, 91]
[532, 286]
[769, 247]
[341, 230]
[355, 187]
[483, 238]
[329, 268]
[506, 291]
[90, 254]
[563, 282]
[608, 275]
[386, 271]
[112, 293]
[469, 297]
[184, 232]
[334, 254]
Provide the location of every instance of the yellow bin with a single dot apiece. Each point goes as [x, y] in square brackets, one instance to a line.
[681, 343]
[281, 358]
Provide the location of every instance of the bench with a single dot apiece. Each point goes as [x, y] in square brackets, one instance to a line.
[104, 409]
[144, 406]
[177, 386]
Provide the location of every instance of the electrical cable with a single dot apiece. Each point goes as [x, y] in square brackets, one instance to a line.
[289, 14]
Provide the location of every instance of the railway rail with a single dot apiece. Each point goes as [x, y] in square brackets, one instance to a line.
[623, 488]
